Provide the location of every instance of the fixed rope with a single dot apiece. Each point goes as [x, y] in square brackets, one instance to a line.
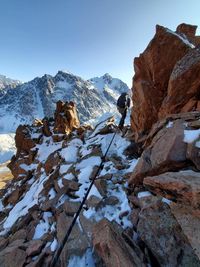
[61, 246]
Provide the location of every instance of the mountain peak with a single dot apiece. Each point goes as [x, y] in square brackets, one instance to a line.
[106, 76]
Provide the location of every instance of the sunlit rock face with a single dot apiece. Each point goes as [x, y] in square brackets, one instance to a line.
[165, 77]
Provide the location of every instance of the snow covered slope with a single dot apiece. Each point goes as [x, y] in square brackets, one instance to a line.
[47, 195]
[7, 147]
[109, 87]
[37, 98]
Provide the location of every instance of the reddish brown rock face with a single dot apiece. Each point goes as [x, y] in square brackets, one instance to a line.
[183, 92]
[159, 229]
[165, 148]
[189, 31]
[183, 187]
[165, 80]
[152, 71]
[111, 246]
[23, 139]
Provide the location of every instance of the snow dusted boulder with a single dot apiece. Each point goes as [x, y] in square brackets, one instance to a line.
[23, 139]
[189, 31]
[167, 147]
[182, 187]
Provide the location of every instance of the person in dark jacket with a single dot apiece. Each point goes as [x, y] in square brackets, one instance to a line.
[123, 103]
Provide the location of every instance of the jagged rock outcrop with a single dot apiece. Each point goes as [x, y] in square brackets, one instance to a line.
[66, 118]
[164, 186]
[189, 31]
[165, 78]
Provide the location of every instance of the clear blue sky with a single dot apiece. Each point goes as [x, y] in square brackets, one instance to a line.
[86, 37]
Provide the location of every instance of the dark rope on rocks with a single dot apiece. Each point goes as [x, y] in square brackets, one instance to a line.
[61, 246]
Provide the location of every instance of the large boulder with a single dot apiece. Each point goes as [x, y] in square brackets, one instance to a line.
[112, 248]
[189, 220]
[183, 186]
[162, 234]
[166, 152]
[166, 148]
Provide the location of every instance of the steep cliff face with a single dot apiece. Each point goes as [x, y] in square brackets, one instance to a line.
[164, 75]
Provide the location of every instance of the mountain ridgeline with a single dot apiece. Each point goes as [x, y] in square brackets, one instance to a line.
[22, 103]
[7, 82]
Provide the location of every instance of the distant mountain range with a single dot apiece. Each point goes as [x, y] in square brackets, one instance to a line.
[7, 82]
[21, 103]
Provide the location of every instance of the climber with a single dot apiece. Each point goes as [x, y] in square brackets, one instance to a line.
[123, 103]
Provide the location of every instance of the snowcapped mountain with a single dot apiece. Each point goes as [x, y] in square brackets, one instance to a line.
[7, 82]
[37, 98]
[109, 87]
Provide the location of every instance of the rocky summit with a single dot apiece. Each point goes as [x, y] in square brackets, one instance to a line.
[144, 206]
